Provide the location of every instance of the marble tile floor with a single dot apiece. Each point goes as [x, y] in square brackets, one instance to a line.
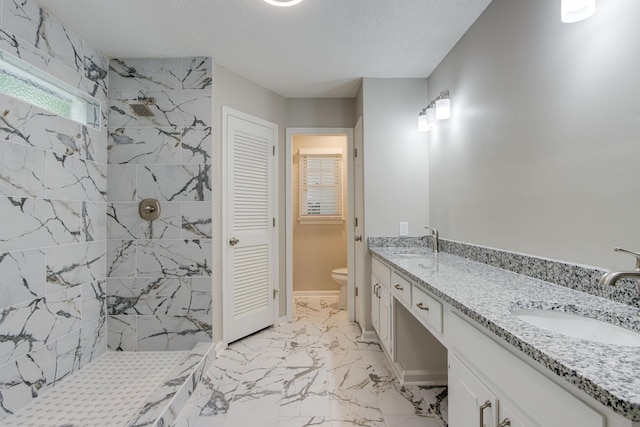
[311, 372]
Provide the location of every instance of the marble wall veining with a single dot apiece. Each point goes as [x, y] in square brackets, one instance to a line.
[159, 286]
[53, 194]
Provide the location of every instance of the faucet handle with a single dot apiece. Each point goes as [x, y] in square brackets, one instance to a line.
[635, 254]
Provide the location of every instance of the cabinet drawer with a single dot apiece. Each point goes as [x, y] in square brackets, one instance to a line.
[401, 288]
[381, 270]
[427, 309]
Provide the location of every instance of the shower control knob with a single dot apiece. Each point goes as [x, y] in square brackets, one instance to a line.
[149, 209]
[233, 241]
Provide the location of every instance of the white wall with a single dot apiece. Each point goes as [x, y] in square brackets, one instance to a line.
[234, 91]
[396, 163]
[541, 153]
[396, 166]
[321, 112]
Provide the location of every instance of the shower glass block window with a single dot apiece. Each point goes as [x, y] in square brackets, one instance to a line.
[31, 85]
[320, 186]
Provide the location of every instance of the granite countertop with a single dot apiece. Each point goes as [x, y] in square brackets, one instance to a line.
[486, 294]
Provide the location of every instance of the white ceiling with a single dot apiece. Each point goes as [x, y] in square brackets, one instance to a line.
[319, 48]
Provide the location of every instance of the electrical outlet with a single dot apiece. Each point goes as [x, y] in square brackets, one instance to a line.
[404, 229]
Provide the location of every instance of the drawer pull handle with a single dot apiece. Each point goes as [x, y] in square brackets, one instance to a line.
[484, 406]
[505, 422]
[422, 307]
[398, 287]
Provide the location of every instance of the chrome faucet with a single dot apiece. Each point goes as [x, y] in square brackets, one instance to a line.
[434, 235]
[611, 277]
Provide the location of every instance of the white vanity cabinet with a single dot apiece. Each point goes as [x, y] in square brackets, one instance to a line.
[381, 307]
[481, 370]
[474, 403]
[428, 311]
[401, 288]
[490, 383]
[386, 337]
[375, 303]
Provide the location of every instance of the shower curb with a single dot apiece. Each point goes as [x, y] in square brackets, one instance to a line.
[167, 401]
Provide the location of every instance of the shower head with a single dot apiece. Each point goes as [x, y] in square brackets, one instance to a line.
[140, 107]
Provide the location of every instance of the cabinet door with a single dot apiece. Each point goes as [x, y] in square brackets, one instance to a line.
[509, 418]
[469, 399]
[375, 304]
[385, 318]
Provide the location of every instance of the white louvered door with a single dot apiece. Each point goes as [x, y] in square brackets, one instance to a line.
[250, 226]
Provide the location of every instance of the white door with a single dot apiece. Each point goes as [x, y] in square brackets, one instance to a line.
[249, 251]
[358, 176]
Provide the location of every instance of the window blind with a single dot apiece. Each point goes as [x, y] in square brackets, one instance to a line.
[320, 179]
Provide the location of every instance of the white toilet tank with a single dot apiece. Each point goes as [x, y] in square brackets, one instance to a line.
[341, 273]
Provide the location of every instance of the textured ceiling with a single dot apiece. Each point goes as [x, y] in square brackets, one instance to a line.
[319, 48]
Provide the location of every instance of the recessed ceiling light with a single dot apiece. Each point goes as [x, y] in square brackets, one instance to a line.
[283, 3]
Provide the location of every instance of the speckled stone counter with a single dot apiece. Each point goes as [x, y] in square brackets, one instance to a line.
[486, 294]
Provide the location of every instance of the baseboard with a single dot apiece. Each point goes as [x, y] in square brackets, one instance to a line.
[415, 377]
[368, 336]
[317, 294]
[219, 348]
[421, 377]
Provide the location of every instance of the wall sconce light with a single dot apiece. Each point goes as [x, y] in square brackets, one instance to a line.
[423, 125]
[431, 114]
[443, 106]
[283, 3]
[576, 10]
[438, 109]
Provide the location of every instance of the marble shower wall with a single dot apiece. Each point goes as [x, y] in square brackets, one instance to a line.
[53, 188]
[159, 272]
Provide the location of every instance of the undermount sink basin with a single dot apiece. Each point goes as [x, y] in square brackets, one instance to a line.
[577, 326]
[411, 256]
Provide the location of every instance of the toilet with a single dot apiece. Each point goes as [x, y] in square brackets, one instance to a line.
[341, 276]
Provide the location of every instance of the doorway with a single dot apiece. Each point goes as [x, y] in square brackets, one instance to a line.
[306, 236]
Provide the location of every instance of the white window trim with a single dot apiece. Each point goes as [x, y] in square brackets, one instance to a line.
[314, 219]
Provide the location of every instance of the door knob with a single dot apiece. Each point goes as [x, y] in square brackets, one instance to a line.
[358, 238]
[234, 241]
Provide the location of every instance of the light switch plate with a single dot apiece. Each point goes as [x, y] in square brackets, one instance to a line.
[404, 229]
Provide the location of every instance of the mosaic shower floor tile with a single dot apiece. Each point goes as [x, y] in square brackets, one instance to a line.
[109, 392]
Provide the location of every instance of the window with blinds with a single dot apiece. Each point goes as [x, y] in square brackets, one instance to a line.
[320, 184]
